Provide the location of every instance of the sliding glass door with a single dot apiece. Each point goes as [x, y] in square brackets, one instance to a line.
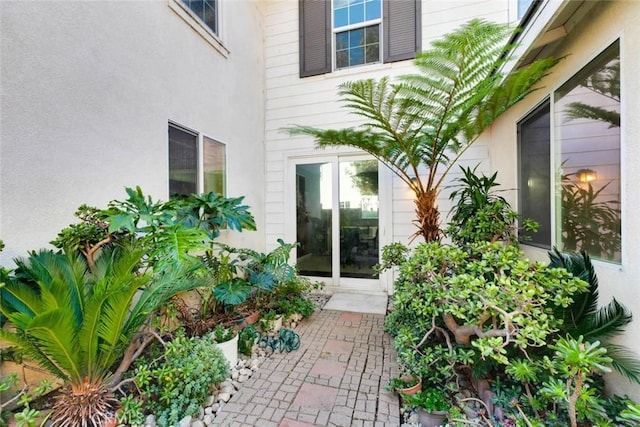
[337, 219]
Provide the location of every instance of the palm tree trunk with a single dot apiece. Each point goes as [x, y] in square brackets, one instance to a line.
[427, 217]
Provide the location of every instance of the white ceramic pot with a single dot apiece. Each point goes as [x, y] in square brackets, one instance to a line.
[230, 350]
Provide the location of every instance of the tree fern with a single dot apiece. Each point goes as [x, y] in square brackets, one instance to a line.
[427, 120]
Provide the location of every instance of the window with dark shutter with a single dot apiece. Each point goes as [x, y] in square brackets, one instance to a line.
[402, 33]
[355, 26]
[315, 37]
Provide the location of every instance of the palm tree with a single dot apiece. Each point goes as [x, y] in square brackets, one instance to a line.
[78, 322]
[426, 121]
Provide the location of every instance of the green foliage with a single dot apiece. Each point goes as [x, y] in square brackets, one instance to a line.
[256, 272]
[431, 399]
[453, 307]
[28, 416]
[212, 212]
[573, 363]
[222, 334]
[170, 231]
[478, 214]
[426, 121]
[246, 339]
[584, 317]
[589, 223]
[76, 322]
[131, 411]
[178, 383]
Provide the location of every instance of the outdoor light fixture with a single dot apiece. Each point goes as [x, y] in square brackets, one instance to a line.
[586, 175]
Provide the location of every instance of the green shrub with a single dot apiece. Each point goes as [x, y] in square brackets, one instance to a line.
[177, 384]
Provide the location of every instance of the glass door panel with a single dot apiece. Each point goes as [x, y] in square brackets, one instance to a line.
[314, 216]
[358, 218]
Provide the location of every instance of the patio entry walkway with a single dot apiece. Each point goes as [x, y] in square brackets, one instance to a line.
[337, 377]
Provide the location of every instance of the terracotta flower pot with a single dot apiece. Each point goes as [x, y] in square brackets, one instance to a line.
[410, 390]
[250, 318]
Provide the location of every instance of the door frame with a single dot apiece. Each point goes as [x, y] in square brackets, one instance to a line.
[384, 283]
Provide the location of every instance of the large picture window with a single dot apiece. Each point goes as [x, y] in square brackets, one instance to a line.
[192, 172]
[587, 131]
[585, 183]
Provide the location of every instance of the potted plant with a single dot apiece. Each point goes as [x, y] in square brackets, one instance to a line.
[432, 405]
[405, 385]
[226, 340]
[270, 321]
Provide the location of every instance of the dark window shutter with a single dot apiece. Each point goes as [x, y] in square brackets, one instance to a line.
[402, 29]
[315, 37]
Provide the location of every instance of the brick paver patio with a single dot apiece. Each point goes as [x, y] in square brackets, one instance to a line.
[337, 377]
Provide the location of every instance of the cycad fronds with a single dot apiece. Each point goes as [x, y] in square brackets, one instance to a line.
[584, 318]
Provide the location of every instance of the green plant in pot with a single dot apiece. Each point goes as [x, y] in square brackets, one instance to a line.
[405, 385]
[432, 405]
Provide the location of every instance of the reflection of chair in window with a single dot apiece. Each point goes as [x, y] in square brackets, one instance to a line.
[349, 243]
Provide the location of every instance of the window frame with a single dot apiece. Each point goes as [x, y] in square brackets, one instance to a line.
[200, 161]
[555, 152]
[349, 27]
[400, 32]
[545, 104]
[188, 16]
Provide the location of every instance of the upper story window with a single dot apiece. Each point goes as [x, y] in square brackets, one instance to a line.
[570, 174]
[337, 34]
[206, 11]
[523, 6]
[196, 163]
[356, 26]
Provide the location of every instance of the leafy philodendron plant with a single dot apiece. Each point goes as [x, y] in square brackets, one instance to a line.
[426, 121]
[170, 231]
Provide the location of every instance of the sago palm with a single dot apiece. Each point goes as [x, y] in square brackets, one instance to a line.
[77, 322]
[424, 122]
[585, 318]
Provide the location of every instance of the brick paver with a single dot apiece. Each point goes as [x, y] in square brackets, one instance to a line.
[337, 377]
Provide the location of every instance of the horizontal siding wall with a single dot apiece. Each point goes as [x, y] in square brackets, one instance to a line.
[313, 101]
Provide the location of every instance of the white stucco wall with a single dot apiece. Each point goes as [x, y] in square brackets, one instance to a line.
[313, 101]
[87, 91]
[603, 25]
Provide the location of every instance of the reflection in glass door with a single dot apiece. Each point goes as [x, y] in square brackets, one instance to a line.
[314, 219]
[337, 206]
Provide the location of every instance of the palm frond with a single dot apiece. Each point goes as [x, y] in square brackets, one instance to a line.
[624, 361]
[606, 322]
[23, 343]
[56, 334]
[584, 304]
